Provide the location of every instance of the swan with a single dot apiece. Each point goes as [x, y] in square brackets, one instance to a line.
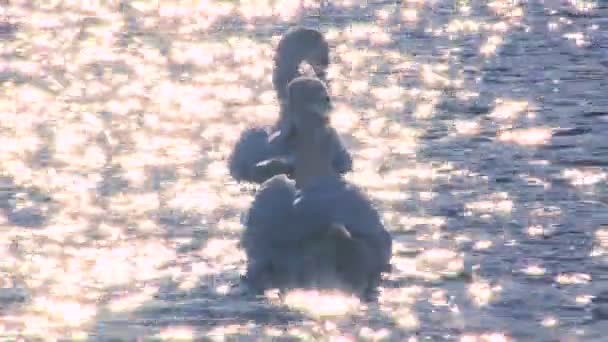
[317, 230]
[263, 152]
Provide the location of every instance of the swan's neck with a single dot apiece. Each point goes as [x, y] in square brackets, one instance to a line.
[285, 70]
[313, 158]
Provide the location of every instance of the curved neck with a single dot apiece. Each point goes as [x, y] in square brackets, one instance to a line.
[313, 156]
[285, 70]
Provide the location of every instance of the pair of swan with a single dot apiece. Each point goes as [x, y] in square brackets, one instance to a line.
[307, 227]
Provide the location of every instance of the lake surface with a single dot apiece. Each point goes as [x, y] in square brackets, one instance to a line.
[477, 127]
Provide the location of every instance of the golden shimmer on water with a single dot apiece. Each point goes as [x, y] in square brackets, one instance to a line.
[118, 217]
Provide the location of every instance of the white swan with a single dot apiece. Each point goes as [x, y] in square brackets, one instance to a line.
[318, 231]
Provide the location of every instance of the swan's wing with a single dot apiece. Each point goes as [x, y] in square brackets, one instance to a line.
[281, 161]
[359, 214]
[251, 148]
[349, 206]
[272, 167]
[269, 215]
[256, 159]
[259, 156]
[310, 220]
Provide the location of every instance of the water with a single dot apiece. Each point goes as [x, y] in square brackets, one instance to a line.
[477, 128]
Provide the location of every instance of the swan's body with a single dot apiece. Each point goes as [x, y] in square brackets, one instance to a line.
[318, 231]
[263, 152]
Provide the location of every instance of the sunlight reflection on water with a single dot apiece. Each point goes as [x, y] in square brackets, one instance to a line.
[321, 305]
[118, 118]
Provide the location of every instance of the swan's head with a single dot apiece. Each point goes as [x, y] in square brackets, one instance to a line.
[309, 103]
[300, 44]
